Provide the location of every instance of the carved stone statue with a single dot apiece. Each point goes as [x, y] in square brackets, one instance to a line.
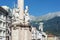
[41, 26]
[15, 18]
[26, 15]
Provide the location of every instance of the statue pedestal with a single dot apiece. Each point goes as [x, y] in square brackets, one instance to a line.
[21, 33]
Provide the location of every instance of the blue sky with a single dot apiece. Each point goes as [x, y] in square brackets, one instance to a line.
[36, 7]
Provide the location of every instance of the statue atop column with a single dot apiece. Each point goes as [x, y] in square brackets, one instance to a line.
[41, 26]
[26, 15]
[20, 28]
[15, 15]
[21, 16]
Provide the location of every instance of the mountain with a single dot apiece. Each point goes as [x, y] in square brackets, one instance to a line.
[45, 17]
[51, 22]
[53, 25]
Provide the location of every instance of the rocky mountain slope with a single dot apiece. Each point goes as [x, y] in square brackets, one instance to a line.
[51, 22]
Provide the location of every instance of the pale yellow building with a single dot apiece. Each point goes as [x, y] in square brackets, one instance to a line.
[52, 37]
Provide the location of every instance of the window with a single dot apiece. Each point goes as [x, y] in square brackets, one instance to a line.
[1, 14]
[33, 39]
[4, 16]
[39, 39]
[0, 32]
[4, 33]
[0, 23]
[4, 24]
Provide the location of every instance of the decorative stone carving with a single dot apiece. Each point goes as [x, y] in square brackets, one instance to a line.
[26, 15]
[14, 28]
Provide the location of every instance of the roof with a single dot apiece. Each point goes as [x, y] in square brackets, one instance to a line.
[51, 35]
[3, 10]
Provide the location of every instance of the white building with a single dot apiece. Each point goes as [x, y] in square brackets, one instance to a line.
[39, 34]
[36, 35]
[4, 22]
[44, 35]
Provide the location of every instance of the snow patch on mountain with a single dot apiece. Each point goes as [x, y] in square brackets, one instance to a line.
[45, 17]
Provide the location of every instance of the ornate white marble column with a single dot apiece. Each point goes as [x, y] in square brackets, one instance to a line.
[21, 30]
[21, 9]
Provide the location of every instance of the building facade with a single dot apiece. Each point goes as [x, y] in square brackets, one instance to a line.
[53, 37]
[36, 35]
[4, 22]
[39, 34]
